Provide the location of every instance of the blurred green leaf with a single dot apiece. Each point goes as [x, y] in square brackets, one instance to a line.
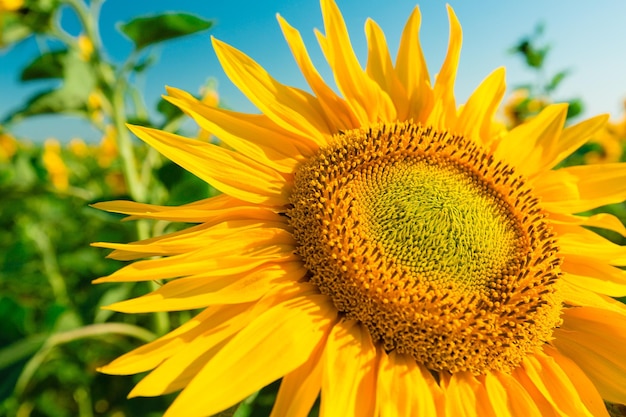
[78, 82]
[556, 80]
[575, 108]
[13, 29]
[47, 65]
[168, 110]
[21, 349]
[149, 30]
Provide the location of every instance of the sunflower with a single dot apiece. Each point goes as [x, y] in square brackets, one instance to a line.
[383, 248]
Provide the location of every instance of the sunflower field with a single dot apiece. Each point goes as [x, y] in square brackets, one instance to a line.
[56, 333]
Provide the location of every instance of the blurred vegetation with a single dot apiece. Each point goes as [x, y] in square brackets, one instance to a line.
[53, 335]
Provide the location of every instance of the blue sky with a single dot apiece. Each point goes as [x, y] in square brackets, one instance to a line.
[587, 37]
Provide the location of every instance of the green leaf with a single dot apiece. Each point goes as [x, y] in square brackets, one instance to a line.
[556, 80]
[575, 108]
[47, 65]
[21, 349]
[71, 97]
[168, 110]
[149, 30]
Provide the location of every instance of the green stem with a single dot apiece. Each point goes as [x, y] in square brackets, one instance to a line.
[50, 265]
[91, 330]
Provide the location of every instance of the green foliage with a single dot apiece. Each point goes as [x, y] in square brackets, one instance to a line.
[53, 333]
[145, 31]
[540, 93]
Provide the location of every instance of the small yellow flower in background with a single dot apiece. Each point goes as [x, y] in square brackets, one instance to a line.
[85, 47]
[8, 146]
[116, 183]
[383, 248]
[612, 141]
[78, 147]
[10, 5]
[53, 162]
[107, 150]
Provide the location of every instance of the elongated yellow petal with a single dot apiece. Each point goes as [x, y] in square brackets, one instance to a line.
[525, 145]
[191, 293]
[587, 390]
[577, 241]
[252, 135]
[152, 354]
[368, 101]
[191, 239]
[290, 108]
[595, 339]
[444, 110]
[349, 378]
[508, 396]
[300, 388]
[405, 388]
[597, 185]
[412, 70]
[234, 255]
[542, 372]
[593, 275]
[466, 396]
[227, 171]
[477, 115]
[584, 297]
[601, 220]
[337, 111]
[572, 138]
[272, 345]
[180, 368]
[380, 69]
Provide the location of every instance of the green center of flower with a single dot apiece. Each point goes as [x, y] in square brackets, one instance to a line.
[436, 219]
[440, 251]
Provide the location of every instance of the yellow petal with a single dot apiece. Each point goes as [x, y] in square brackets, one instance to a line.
[571, 138]
[542, 372]
[290, 108]
[525, 145]
[466, 396]
[405, 388]
[587, 390]
[190, 239]
[196, 212]
[152, 354]
[444, 110]
[272, 345]
[584, 297]
[508, 397]
[192, 293]
[477, 115]
[337, 111]
[596, 276]
[228, 171]
[595, 339]
[597, 185]
[180, 368]
[578, 241]
[412, 70]
[349, 376]
[234, 255]
[369, 103]
[601, 220]
[300, 388]
[254, 136]
[380, 69]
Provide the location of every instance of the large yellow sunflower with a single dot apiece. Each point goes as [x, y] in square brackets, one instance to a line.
[382, 248]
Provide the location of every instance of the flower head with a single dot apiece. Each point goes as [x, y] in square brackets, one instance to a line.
[383, 248]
